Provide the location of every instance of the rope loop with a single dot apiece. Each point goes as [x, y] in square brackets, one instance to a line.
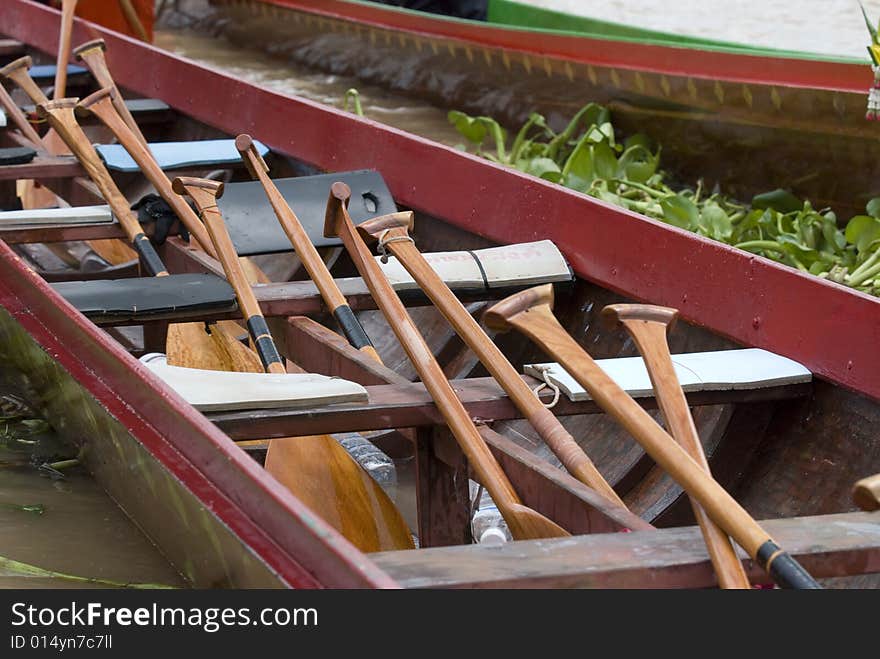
[385, 240]
[545, 376]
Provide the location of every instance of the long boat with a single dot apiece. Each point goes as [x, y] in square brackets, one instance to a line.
[789, 452]
[748, 120]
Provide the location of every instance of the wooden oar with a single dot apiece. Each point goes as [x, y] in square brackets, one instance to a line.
[68, 7]
[524, 523]
[133, 20]
[648, 324]
[20, 120]
[302, 244]
[866, 493]
[60, 115]
[531, 313]
[317, 469]
[91, 54]
[101, 105]
[392, 232]
[188, 344]
[114, 252]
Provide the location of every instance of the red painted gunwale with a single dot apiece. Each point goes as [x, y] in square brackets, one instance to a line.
[300, 547]
[831, 329]
[784, 71]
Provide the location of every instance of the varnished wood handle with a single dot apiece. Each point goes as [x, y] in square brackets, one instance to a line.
[538, 323]
[523, 521]
[68, 7]
[133, 20]
[204, 193]
[393, 232]
[302, 244]
[866, 493]
[60, 115]
[24, 126]
[91, 54]
[648, 325]
[18, 72]
[101, 105]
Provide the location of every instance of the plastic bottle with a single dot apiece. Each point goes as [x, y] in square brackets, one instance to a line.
[487, 525]
[371, 458]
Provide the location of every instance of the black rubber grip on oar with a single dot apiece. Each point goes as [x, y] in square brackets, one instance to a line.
[786, 571]
[351, 327]
[149, 258]
[263, 341]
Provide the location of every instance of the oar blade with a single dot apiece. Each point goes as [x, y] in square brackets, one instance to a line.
[528, 524]
[321, 474]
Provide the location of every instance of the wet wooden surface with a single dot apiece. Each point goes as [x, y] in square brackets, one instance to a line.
[827, 546]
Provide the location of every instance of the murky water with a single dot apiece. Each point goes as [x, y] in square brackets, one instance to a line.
[281, 75]
[80, 532]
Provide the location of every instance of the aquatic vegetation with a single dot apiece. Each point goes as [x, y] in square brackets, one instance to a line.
[13, 568]
[34, 508]
[588, 157]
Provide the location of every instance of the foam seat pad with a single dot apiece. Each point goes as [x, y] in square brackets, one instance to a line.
[16, 155]
[72, 215]
[252, 224]
[177, 155]
[47, 71]
[221, 390]
[719, 370]
[148, 297]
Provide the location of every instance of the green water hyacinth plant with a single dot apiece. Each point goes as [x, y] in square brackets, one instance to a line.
[588, 156]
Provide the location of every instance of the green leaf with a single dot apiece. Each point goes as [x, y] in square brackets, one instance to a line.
[873, 207]
[604, 161]
[680, 211]
[471, 128]
[871, 29]
[639, 139]
[637, 163]
[715, 221]
[779, 199]
[544, 168]
[862, 231]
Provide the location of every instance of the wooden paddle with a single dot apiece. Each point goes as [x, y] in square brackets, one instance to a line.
[188, 344]
[68, 7]
[524, 523]
[114, 252]
[648, 324]
[317, 469]
[91, 54]
[20, 120]
[302, 244]
[866, 493]
[392, 232]
[133, 20]
[531, 313]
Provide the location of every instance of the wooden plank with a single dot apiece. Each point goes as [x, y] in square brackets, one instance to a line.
[826, 545]
[43, 166]
[409, 405]
[10, 48]
[442, 494]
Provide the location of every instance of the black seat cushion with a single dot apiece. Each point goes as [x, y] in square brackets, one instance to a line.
[148, 297]
[252, 224]
[16, 155]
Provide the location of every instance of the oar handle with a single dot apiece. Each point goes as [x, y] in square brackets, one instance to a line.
[648, 325]
[101, 105]
[68, 7]
[536, 320]
[523, 522]
[866, 493]
[133, 20]
[204, 194]
[18, 72]
[92, 55]
[346, 319]
[60, 115]
[18, 118]
[392, 233]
